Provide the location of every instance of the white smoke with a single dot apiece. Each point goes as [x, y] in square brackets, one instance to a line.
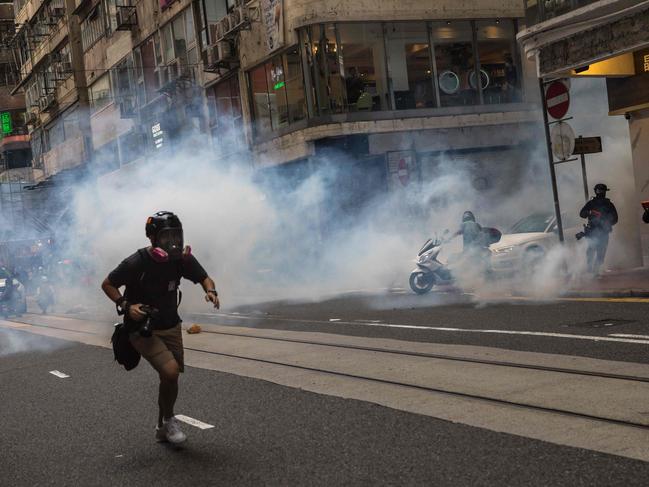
[265, 237]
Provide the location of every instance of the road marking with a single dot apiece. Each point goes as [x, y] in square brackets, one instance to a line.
[507, 332]
[194, 422]
[624, 335]
[465, 330]
[59, 374]
[602, 300]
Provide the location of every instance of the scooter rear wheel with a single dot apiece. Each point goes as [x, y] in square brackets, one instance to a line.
[422, 282]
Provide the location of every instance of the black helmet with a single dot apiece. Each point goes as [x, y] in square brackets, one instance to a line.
[468, 216]
[601, 189]
[166, 232]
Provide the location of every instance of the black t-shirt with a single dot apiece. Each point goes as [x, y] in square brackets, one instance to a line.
[156, 284]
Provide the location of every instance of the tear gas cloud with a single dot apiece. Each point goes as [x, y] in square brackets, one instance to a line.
[264, 236]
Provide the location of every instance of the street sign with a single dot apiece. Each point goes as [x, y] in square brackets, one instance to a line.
[563, 140]
[587, 145]
[557, 99]
[7, 125]
[401, 165]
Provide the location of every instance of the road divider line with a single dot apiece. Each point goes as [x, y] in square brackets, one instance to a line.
[338, 321]
[624, 335]
[59, 374]
[193, 422]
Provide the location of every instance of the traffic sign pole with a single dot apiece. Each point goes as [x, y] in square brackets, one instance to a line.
[583, 175]
[553, 175]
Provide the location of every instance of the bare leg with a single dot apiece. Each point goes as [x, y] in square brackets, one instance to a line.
[168, 391]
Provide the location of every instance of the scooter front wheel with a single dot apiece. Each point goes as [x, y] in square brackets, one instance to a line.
[422, 282]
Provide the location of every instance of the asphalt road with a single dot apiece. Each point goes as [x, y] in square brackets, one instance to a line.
[96, 428]
[515, 324]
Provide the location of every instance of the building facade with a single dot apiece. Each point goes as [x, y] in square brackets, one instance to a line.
[606, 38]
[398, 87]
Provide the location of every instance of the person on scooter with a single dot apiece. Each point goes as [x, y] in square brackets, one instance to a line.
[475, 247]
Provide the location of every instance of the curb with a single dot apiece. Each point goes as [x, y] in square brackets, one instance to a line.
[616, 293]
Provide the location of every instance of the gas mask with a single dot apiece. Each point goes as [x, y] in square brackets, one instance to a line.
[168, 245]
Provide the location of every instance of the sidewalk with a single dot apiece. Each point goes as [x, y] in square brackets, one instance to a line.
[624, 283]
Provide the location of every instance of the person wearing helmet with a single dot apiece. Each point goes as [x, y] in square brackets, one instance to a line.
[601, 215]
[471, 233]
[151, 277]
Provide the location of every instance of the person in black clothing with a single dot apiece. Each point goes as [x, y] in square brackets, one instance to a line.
[601, 215]
[475, 247]
[151, 277]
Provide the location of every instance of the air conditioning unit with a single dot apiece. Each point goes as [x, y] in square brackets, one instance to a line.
[66, 67]
[225, 26]
[57, 12]
[216, 32]
[50, 100]
[126, 17]
[240, 15]
[32, 118]
[225, 51]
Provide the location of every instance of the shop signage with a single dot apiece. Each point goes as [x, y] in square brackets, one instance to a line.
[7, 124]
[158, 135]
[587, 145]
[272, 12]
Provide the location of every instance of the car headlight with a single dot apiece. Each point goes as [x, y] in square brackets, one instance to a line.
[504, 250]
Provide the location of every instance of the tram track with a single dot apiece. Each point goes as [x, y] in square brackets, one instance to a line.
[398, 383]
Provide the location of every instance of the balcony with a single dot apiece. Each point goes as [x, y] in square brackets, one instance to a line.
[537, 11]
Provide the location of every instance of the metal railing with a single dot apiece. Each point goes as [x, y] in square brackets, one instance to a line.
[537, 11]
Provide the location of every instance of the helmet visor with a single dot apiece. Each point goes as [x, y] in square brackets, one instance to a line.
[171, 241]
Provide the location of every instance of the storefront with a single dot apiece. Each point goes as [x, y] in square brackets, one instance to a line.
[366, 67]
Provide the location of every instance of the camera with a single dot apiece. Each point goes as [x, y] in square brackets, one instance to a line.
[146, 330]
[580, 235]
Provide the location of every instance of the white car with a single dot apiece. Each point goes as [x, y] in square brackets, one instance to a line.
[528, 241]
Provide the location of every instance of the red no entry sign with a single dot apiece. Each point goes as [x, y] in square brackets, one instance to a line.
[557, 99]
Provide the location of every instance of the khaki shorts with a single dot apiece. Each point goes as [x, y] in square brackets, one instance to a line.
[163, 346]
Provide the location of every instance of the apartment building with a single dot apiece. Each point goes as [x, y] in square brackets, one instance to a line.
[398, 87]
[15, 150]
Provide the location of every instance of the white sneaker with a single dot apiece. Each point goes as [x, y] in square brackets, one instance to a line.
[161, 433]
[172, 431]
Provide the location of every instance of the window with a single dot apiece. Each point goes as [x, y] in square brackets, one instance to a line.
[496, 53]
[410, 65]
[278, 92]
[122, 81]
[226, 124]
[99, 93]
[294, 86]
[455, 63]
[55, 134]
[260, 100]
[325, 69]
[363, 55]
[211, 11]
[93, 27]
[167, 43]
